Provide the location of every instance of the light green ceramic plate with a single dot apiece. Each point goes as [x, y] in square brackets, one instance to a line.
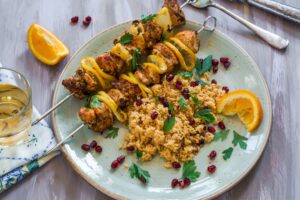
[95, 168]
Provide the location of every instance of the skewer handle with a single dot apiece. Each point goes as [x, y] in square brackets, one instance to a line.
[51, 110]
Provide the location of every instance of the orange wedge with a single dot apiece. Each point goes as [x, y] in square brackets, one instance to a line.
[45, 46]
[243, 103]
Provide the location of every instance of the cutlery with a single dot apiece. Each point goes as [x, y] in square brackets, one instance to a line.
[271, 38]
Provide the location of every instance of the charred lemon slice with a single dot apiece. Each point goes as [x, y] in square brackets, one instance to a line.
[185, 55]
[153, 66]
[122, 52]
[159, 62]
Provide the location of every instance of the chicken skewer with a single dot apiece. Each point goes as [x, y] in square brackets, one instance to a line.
[82, 83]
[206, 26]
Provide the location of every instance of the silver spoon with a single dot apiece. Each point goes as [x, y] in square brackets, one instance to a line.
[271, 38]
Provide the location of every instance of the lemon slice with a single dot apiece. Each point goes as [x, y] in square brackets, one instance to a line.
[187, 54]
[159, 62]
[243, 103]
[87, 66]
[122, 52]
[153, 66]
[45, 46]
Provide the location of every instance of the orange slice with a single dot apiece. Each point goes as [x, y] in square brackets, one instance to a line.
[45, 46]
[243, 103]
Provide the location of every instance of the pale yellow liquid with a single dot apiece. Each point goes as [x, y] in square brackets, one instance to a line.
[15, 114]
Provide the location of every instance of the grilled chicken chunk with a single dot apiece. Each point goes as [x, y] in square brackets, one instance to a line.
[152, 33]
[190, 39]
[177, 15]
[167, 54]
[98, 119]
[129, 90]
[110, 63]
[81, 84]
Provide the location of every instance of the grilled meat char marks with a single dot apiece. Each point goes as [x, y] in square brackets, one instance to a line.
[110, 63]
[81, 84]
[176, 14]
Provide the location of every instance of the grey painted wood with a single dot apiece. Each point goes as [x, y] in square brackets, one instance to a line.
[276, 175]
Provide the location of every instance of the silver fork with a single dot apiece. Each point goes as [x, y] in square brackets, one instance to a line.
[272, 39]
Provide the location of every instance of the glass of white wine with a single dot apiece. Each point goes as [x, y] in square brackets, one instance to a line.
[15, 107]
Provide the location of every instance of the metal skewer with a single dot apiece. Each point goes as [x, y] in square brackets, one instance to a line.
[206, 26]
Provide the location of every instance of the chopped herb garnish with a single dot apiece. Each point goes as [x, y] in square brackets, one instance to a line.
[239, 139]
[200, 81]
[227, 153]
[185, 74]
[171, 108]
[206, 115]
[205, 66]
[134, 62]
[138, 172]
[221, 135]
[156, 98]
[126, 38]
[87, 102]
[96, 103]
[138, 154]
[189, 171]
[163, 37]
[169, 124]
[112, 132]
[182, 103]
[147, 18]
[196, 100]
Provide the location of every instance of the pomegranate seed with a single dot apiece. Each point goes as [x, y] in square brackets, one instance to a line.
[74, 19]
[192, 121]
[227, 64]
[121, 159]
[176, 165]
[142, 179]
[115, 164]
[215, 69]
[93, 144]
[130, 148]
[194, 84]
[212, 154]
[225, 88]
[154, 115]
[185, 93]
[201, 60]
[85, 147]
[174, 182]
[221, 125]
[164, 102]
[178, 85]
[186, 90]
[98, 149]
[181, 184]
[186, 181]
[211, 129]
[213, 81]
[211, 169]
[138, 102]
[169, 77]
[215, 62]
[88, 18]
[86, 23]
[224, 59]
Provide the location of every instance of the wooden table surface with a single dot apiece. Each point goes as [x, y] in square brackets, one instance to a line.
[276, 175]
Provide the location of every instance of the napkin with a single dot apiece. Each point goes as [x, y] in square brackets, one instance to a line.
[17, 161]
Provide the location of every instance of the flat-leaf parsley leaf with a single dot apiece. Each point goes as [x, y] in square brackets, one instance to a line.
[169, 124]
[96, 103]
[205, 66]
[239, 139]
[126, 38]
[206, 115]
[182, 103]
[147, 18]
[227, 153]
[221, 135]
[136, 55]
[112, 132]
[138, 172]
[138, 154]
[185, 74]
[189, 171]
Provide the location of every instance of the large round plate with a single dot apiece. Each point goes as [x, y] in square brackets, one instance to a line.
[95, 168]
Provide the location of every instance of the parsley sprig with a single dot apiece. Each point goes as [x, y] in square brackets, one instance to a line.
[185, 74]
[112, 132]
[189, 171]
[134, 62]
[147, 18]
[126, 38]
[239, 139]
[92, 102]
[138, 154]
[221, 135]
[138, 172]
[205, 66]
[182, 103]
[169, 124]
[205, 114]
[227, 153]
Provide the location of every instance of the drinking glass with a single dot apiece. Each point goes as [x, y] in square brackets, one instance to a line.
[15, 107]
